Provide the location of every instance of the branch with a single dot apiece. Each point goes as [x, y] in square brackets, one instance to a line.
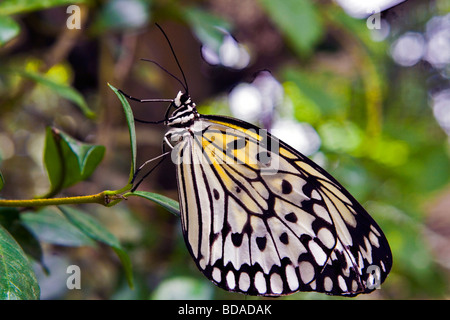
[106, 198]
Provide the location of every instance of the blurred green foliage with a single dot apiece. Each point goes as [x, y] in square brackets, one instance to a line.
[379, 137]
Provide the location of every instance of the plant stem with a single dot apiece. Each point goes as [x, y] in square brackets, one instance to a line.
[103, 198]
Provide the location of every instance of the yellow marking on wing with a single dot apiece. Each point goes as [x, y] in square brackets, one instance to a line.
[247, 155]
[341, 208]
[336, 191]
[310, 170]
[216, 157]
[341, 227]
[250, 132]
[285, 153]
[217, 143]
[213, 136]
[223, 175]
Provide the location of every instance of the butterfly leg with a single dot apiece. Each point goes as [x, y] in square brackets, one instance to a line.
[150, 100]
[166, 140]
[161, 157]
[144, 100]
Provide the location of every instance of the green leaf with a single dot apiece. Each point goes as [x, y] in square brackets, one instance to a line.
[53, 161]
[2, 181]
[10, 220]
[299, 20]
[69, 161]
[207, 27]
[9, 29]
[8, 7]
[171, 205]
[312, 91]
[96, 231]
[88, 157]
[131, 129]
[51, 227]
[17, 278]
[61, 89]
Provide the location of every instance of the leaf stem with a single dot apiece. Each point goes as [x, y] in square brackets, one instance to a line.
[106, 198]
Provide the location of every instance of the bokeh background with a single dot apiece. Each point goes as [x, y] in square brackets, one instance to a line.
[365, 94]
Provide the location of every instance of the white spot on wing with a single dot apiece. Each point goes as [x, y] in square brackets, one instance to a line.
[307, 273]
[322, 213]
[216, 250]
[260, 282]
[202, 263]
[217, 275]
[326, 237]
[237, 256]
[374, 239]
[342, 283]
[291, 277]
[231, 280]
[328, 284]
[354, 286]
[276, 283]
[317, 252]
[372, 227]
[244, 281]
[315, 195]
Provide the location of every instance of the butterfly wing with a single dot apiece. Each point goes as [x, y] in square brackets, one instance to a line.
[260, 218]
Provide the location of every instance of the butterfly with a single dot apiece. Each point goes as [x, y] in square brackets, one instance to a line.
[260, 218]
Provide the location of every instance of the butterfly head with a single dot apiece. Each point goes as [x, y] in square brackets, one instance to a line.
[185, 112]
[182, 99]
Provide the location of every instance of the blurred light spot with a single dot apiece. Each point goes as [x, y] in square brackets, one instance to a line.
[120, 14]
[245, 102]
[35, 143]
[230, 54]
[59, 73]
[271, 90]
[300, 136]
[408, 49]
[438, 36]
[33, 64]
[257, 100]
[382, 33]
[134, 13]
[441, 109]
[210, 55]
[182, 288]
[362, 9]
[6, 147]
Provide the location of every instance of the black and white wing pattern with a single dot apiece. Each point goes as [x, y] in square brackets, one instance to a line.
[264, 232]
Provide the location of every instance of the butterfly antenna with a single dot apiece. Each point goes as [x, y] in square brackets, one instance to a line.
[176, 59]
[167, 71]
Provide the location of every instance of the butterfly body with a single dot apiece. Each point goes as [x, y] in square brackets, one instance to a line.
[260, 218]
